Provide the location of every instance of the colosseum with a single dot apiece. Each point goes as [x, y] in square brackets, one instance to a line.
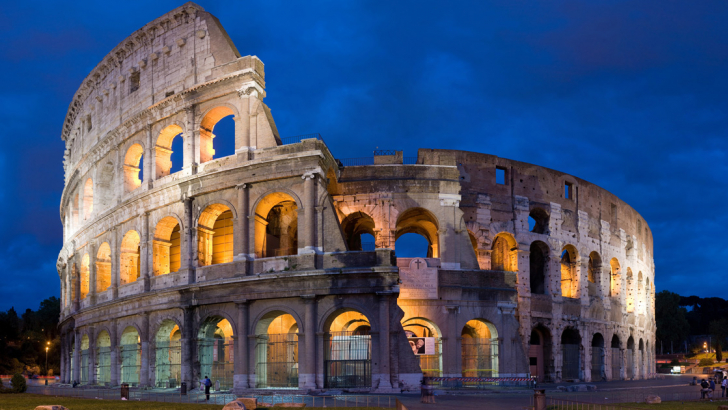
[275, 267]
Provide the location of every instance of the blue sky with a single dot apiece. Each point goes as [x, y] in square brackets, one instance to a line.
[628, 95]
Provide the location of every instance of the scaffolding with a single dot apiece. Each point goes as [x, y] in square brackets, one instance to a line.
[276, 361]
[347, 362]
[168, 364]
[480, 357]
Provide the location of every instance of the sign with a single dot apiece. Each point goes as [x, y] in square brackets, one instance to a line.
[422, 345]
[418, 280]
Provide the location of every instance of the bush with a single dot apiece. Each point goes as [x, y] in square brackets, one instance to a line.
[706, 362]
[18, 383]
[675, 362]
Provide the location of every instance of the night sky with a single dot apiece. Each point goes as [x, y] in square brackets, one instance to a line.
[628, 95]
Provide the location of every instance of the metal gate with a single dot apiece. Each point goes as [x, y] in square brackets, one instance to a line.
[597, 364]
[168, 368]
[347, 360]
[217, 361]
[103, 365]
[84, 366]
[616, 363]
[480, 357]
[276, 361]
[571, 362]
[131, 362]
[630, 363]
[431, 364]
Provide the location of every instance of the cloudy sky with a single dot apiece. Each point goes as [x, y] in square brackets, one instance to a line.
[628, 95]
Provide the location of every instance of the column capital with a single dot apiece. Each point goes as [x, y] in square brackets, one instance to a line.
[308, 298]
[242, 302]
[243, 186]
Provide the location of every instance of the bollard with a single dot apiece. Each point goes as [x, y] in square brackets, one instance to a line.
[183, 389]
[539, 399]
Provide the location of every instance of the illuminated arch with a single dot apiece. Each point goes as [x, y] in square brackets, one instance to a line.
[132, 167]
[504, 256]
[276, 225]
[215, 235]
[166, 246]
[354, 225]
[103, 267]
[129, 258]
[615, 279]
[569, 276]
[538, 267]
[479, 345]
[88, 199]
[594, 274]
[207, 125]
[85, 261]
[163, 149]
[276, 350]
[422, 222]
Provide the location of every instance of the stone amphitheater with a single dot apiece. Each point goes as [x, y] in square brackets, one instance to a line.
[275, 267]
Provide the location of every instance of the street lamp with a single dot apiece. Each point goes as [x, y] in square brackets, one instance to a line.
[48, 344]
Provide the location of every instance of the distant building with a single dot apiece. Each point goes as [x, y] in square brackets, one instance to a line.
[251, 268]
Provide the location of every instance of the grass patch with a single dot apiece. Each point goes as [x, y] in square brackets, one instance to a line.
[677, 405]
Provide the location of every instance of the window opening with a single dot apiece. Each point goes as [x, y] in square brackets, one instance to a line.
[500, 175]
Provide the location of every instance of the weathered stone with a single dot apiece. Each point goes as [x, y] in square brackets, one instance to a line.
[654, 399]
[251, 403]
[234, 405]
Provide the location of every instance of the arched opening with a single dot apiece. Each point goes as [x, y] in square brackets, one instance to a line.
[616, 358]
[88, 199]
[538, 261]
[168, 355]
[129, 259]
[570, 354]
[539, 353]
[103, 358]
[413, 245]
[356, 227]
[166, 244]
[479, 349]
[170, 138]
[538, 221]
[85, 261]
[216, 351]
[641, 359]
[71, 352]
[569, 277]
[131, 357]
[215, 235]
[84, 359]
[212, 145]
[276, 226]
[504, 256]
[105, 186]
[425, 340]
[75, 208]
[597, 358]
[630, 358]
[630, 291]
[594, 270]
[133, 167]
[422, 222]
[473, 242]
[615, 278]
[347, 350]
[276, 351]
[103, 268]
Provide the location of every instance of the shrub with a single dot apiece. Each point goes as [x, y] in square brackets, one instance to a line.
[706, 362]
[675, 362]
[18, 383]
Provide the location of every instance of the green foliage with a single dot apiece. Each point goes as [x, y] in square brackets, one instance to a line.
[672, 325]
[719, 331]
[18, 383]
[675, 362]
[706, 362]
[23, 339]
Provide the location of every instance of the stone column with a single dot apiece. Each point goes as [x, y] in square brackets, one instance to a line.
[63, 359]
[320, 362]
[91, 355]
[191, 143]
[187, 257]
[240, 242]
[114, 356]
[587, 354]
[240, 378]
[92, 273]
[76, 356]
[242, 129]
[144, 370]
[148, 156]
[307, 378]
[385, 376]
[556, 353]
[451, 349]
[187, 345]
[115, 262]
[309, 205]
[144, 253]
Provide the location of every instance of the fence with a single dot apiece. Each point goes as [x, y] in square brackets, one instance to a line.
[475, 383]
[195, 396]
[554, 403]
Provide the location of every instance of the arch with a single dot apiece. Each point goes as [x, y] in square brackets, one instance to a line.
[75, 220]
[103, 267]
[598, 356]
[630, 290]
[207, 126]
[422, 222]
[163, 149]
[594, 274]
[419, 331]
[504, 256]
[641, 359]
[84, 359]
[129, 258]
[615, 279]
[103, 357]
[276, 225]
[216, 350]
[354, 225]
[167, 354]
[130, 351]
[347, 350]
[276, 350]
[166, 253]
[569, 276]
[479, 347]
[539, 353]
[85, 261]
[630, 352]
[538, 265]
[540, 220]
[473, 241]
[215, 235]
[570, 354]
[132, 167]
[88, 199]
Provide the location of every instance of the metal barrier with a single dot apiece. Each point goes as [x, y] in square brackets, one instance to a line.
[553, 403]
[298, 138]
[356, 162]
[220, 398]
[472, 383]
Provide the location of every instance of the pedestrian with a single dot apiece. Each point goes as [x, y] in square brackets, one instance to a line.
[704, 388]
[723, 385]
[712, 387]
[207, 384]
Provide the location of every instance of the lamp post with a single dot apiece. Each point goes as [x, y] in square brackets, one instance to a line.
[48, 344]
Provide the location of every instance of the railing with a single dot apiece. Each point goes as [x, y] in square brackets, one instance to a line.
[379, 152]
[298, 138]
[409, 160]
[479, 383]
[355, 162]
[554, 403]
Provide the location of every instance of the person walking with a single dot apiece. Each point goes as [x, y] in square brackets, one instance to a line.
[723, 385]
[207, 384]
[704, 388]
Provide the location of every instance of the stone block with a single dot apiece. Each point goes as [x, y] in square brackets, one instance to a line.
[655, 399]
[251, 403]
[234, 405]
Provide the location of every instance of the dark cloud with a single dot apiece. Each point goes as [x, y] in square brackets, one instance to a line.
[627, 95]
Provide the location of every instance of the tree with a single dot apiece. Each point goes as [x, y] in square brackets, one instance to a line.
[719, 331]
[672, 326]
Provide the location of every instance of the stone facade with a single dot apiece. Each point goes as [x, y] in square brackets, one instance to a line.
[250, 268]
